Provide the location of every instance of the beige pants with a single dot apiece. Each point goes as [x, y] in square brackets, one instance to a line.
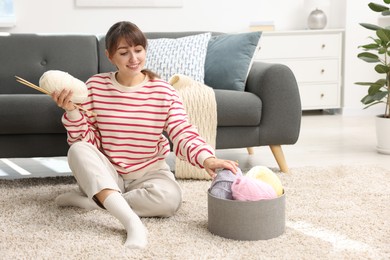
[155, 194]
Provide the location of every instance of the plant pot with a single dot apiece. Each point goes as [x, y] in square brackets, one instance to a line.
[382, 134]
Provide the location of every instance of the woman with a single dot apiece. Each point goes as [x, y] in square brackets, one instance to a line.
[118, 157]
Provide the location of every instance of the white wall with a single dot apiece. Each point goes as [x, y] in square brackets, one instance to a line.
[51, 16]
[219, 15]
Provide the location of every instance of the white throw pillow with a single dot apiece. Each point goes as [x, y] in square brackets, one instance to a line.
[186, 56]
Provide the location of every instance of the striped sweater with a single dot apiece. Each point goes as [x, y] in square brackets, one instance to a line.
[130, 122]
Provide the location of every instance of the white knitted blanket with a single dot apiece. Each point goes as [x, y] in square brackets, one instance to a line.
[199, 102]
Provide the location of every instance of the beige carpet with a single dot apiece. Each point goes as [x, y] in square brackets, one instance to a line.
[332, 213]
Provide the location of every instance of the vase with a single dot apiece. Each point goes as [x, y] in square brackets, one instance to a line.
[317, 19]
[382, 134]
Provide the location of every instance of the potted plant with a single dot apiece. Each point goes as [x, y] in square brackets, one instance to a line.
[378, 51]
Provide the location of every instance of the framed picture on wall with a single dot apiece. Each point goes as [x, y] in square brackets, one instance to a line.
[129, 3]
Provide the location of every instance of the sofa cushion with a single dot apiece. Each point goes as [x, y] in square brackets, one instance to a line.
[229, 59]
[236, 108]
[184, 56]
[30, 114]
[30, 55]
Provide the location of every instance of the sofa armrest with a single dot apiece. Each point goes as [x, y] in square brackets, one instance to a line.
[277, 88]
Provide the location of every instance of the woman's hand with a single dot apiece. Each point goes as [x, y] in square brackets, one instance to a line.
[211, 164]
[62, 98]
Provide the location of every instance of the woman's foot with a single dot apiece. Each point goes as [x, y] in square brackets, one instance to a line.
[75, 199]
[136, 231]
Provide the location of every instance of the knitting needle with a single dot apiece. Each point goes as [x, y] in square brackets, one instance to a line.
[31, 85]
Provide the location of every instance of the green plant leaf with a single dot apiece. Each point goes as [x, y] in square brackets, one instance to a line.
[368, 57]
[384, 35]
[378, 41]
[379, 95]
[382, 50]
[381, 82]
[377, 7]
[382, 69]
[370, 26]
[374, 89]
[371, 46]
[368, 99]
[364, 83]
[386, 1]
[373, 104]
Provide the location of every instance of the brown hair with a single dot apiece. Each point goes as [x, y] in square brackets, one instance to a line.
[133, 36]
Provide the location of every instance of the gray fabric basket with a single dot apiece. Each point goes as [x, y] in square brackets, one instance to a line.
[246, 220]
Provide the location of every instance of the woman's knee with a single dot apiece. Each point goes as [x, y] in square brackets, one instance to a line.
[152, 200]
[167, 199]
[171, 203]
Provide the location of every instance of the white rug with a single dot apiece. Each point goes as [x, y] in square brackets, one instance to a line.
[332, 213]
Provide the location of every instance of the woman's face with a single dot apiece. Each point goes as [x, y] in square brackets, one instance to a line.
[129, 60]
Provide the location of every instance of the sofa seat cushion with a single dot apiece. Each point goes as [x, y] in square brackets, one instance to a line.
[29, 114]
[236, 108]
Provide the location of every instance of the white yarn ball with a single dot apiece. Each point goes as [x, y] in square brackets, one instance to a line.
[56, 80]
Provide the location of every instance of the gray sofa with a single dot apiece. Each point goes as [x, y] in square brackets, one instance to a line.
[268, 112]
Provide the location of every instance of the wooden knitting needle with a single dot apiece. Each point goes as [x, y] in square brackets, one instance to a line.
[31, 85]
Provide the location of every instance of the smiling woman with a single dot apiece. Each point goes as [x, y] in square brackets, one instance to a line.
[123, 150]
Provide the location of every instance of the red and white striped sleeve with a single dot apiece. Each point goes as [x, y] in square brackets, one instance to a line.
[187, 143]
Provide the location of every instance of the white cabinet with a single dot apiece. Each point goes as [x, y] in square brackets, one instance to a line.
[315, 57]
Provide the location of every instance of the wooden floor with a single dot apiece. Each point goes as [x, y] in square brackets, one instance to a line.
[324, 140]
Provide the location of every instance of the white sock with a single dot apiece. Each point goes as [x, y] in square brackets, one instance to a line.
[75, 199]
[119, 208]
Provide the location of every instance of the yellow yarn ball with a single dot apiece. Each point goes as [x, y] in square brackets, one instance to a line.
[267, 175]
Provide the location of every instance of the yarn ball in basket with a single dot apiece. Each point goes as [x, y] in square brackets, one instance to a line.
[222, 183]
[267, 175]
[249, 189]
[56, 80]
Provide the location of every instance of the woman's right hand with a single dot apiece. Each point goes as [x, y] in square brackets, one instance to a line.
[62, 98]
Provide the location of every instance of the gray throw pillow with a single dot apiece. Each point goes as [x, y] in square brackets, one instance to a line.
[229, 59]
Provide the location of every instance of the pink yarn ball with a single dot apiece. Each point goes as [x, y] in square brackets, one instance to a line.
[249, 189]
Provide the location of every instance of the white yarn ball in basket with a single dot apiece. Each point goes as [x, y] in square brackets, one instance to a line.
[56, 80]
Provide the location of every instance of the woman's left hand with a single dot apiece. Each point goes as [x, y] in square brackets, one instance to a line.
[211, 164]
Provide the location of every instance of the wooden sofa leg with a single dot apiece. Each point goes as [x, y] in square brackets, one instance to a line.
[279, 157]
[250, 150]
